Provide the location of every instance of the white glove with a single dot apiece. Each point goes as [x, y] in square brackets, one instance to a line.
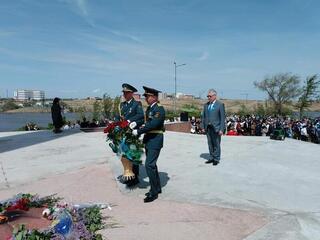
[132, 125]
[141, 137]
[135, 132]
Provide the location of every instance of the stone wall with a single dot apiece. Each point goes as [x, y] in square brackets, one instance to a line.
[178, 127]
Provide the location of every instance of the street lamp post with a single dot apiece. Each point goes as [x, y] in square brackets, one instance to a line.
[175, 85]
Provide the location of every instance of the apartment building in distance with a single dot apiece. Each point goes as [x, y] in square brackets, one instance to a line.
[27, 95]
[184, 96]
[162, 95]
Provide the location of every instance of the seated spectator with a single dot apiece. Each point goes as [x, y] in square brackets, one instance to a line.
[93, 124]
[77, 124]
[304, 133]
[84, 123]
[232, 132]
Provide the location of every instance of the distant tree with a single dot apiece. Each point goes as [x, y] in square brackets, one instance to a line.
[243, 111]
[269, 109]
[9, 105]
[116, 106]
[81, 111]
[309, 94]
[107, 105]
[192, 110]
[265, 109]
[65, 106]
[28, 104]
[259, 109]
[170, 115]
[96, 114]
[281, 89]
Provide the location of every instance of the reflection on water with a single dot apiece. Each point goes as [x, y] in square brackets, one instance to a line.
[13, 121]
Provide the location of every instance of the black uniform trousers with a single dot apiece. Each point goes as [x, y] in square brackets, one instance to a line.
[152, 170]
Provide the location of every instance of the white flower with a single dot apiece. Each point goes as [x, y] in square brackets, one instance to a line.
[133, 147]
[46, 213]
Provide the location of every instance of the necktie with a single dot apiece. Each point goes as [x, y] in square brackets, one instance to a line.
[210, 107]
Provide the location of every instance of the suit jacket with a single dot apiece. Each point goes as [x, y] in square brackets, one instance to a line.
[132, 111]
[153, 127]
[215, 117]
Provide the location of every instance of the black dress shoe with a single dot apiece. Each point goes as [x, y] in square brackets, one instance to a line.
[209, 161]
[149, 193]
[150, 198]
[215, 162]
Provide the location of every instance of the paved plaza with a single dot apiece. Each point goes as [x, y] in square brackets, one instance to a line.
[262, 189]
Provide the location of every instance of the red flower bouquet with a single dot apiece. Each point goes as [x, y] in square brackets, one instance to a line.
[123, 142]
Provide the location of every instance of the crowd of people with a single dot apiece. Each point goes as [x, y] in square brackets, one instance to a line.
[84, 123]
[31, 127]
[306, 129]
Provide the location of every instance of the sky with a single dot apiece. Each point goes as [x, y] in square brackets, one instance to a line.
[80, 48]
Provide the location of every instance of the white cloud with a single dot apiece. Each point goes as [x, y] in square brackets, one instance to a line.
[96, 90]
[204, 56]
[131, 37]
[81, 7]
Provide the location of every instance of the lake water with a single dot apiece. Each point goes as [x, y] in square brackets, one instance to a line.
[13, 121]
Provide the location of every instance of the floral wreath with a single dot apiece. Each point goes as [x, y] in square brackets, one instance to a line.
[123, 142]
[68, 221]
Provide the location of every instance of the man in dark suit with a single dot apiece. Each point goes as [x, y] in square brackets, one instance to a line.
[153, 139]
[213, 122]
[131, 111]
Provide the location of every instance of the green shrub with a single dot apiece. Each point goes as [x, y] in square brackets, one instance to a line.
[9, 105]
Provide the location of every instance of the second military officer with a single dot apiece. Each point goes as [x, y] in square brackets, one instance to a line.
[153, 139]
[132, 111]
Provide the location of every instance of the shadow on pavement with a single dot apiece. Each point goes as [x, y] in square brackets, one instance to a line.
[13, 142]
[205, 156]
[164, 178]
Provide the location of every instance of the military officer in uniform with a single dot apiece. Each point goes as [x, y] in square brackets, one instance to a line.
[153, 139]
[132, 111]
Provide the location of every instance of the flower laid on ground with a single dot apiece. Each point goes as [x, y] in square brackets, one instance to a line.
[123, 142]
[65, 221]
[24, 201]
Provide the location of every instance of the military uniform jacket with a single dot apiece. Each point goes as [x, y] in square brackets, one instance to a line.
[132, 111]
[153, 127]
[214, 116]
